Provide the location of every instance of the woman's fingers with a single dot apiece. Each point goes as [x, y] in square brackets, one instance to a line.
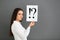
[32, 23]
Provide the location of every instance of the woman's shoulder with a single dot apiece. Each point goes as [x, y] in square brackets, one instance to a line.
[15, 22]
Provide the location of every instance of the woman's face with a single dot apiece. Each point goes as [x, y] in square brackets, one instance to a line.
[19, 15]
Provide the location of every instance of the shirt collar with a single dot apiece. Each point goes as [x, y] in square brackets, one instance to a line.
[17, 21]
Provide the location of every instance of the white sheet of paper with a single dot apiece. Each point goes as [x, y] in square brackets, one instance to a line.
[32, 13]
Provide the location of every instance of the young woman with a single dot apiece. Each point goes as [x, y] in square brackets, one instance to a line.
[16, 28]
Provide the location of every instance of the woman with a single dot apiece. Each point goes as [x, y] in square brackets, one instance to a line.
[16, 28]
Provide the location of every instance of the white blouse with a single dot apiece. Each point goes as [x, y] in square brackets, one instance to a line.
[19, 32]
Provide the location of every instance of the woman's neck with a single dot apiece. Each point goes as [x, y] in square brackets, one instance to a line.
[17, 20]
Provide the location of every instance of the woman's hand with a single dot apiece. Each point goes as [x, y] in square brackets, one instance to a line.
[32, 24]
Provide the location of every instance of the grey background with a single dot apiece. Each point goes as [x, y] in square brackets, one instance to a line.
[48, 25]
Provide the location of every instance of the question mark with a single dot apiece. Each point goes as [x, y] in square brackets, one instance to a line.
[32, 10]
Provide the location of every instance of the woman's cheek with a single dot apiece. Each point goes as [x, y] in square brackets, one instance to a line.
[22, 16]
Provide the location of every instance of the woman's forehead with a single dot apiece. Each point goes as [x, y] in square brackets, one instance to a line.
[20, 11]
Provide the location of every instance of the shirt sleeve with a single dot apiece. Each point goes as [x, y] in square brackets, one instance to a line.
[27, 31]
[19, 31]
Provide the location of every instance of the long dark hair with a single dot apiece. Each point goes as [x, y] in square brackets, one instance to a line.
[14, 18]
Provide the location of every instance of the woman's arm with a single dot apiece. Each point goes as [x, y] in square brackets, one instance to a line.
[19, 32]
[27, 31]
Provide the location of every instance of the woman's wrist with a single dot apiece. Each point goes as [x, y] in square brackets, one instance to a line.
[29, 26]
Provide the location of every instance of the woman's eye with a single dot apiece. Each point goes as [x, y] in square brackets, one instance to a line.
[22, 14]
[19, 14]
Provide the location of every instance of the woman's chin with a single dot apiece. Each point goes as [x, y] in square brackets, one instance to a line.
[21, 20]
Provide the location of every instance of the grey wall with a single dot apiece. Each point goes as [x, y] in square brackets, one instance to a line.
[48, 25]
